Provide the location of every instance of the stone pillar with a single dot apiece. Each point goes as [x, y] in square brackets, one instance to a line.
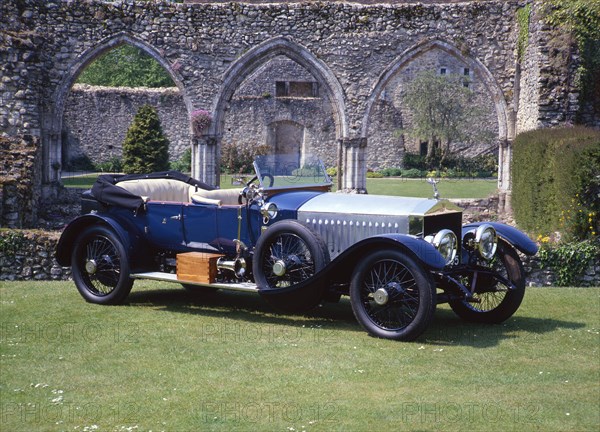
[504, 177]
[504, 160]
[204, 159]
[54, 156]
[354, 165]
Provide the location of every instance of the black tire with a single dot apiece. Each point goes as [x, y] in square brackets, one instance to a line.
[392, 296]
[287, 254]
[100, 266]
[497, 302]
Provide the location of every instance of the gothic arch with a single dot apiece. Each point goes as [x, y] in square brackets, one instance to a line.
[504, 132]
[505, 125]
[258, 56]
[53, 117]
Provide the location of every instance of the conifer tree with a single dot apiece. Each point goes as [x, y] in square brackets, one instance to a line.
[145, 149]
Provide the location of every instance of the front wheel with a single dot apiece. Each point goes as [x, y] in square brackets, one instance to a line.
[392, 296]
[495, 302]
[287, 254]
[100, 266]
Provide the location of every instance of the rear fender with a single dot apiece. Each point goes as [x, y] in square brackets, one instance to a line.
[509, 234]
[77, 226]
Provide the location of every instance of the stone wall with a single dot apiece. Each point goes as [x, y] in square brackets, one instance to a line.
[97, 118]
[258, 115]
[547, 91]
[347, 47]
[34, 259]
[354, 51]
[20, 167]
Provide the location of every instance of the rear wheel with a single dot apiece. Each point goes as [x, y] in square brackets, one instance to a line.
[100, 266]
[287, 254]
[392, 296]
[495, 301]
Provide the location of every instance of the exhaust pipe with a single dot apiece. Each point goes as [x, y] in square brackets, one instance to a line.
[237, 266]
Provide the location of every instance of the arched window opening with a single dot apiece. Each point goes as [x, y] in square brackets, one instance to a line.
[99, 109]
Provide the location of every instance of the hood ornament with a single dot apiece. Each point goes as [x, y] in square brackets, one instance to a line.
[433, 182]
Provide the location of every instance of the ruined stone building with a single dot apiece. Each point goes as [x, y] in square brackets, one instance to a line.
[320, 77]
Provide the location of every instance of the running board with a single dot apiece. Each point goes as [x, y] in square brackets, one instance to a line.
[172, 277]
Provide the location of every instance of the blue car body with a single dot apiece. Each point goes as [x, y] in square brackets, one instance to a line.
[286, 237]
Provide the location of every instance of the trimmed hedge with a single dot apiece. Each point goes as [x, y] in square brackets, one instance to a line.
[556, 182]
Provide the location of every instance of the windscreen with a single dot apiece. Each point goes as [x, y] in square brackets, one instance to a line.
[290, 171]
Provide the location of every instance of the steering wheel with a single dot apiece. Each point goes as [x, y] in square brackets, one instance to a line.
[264, 176]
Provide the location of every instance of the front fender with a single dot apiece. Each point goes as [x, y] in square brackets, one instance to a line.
[509, 234]
[76, 226]
[340, 269]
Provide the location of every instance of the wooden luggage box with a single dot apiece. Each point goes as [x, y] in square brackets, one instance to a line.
[197, 267]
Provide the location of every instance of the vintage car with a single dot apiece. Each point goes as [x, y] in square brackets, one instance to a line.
[284, 236]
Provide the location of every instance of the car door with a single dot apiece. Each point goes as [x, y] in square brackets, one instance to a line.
[232, 222]
[164, 226]
[200, 227]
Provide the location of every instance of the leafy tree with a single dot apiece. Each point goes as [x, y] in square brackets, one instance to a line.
[441, 108]
[126, 66]
[145, 149]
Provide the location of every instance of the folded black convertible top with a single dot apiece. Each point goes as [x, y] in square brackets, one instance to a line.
[107, 192]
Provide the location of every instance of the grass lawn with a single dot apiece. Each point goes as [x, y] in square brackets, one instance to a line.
[449, 188]
[80, 181]
[170, 361]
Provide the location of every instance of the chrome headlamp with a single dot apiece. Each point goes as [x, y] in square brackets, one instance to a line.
[268, 212]
[446, 244]
[486, 241]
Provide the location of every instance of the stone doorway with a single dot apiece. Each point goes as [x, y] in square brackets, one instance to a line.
[287, 137]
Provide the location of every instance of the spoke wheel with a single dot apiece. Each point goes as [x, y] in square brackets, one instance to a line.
[495, 301]
[100, 266]
[288, 254]
[392, 296]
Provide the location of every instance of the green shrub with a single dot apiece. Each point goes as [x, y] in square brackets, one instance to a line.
[374, 174]
[11, 242]
[113, 165]
[412, 173]
[145, 149]
[569, 260]
[391, 172]
[556, 182]
[237, 159]
[308, 171]
[414, 161]
[332, 171]
[468, 167]
[79, 163]
[183, 164]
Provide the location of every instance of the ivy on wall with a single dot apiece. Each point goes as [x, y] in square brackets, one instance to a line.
[523, 18]
[582, 18]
